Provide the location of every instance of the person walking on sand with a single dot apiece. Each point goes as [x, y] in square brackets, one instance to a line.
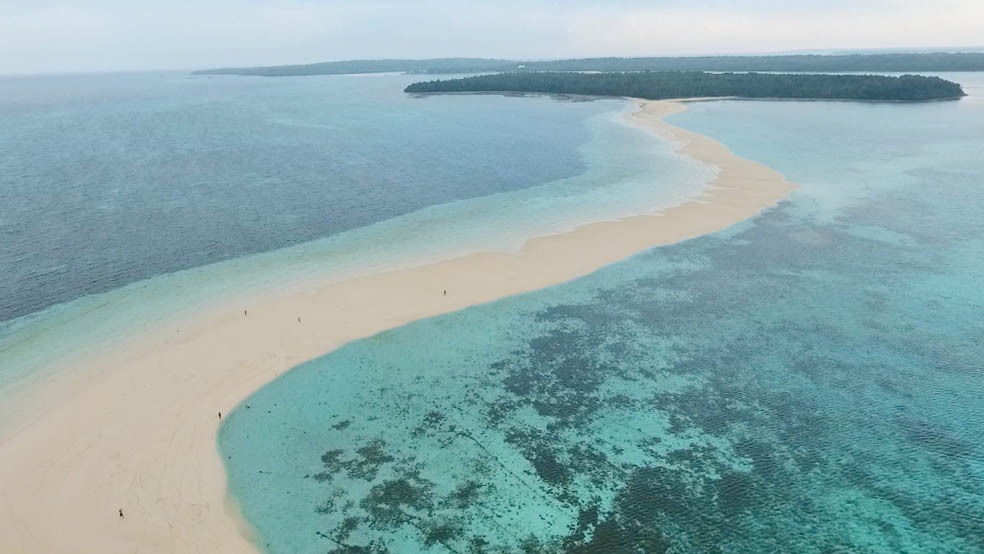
[244, 313]
[220, 415]
[445, 292]
[121, 513]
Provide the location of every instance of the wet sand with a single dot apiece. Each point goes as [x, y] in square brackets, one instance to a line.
[138, 430]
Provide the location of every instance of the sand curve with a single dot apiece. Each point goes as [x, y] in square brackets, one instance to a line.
[138, 431]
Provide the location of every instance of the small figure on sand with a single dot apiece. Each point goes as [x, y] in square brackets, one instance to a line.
[121, 513]
[244, 313]
[220, 415]
[445, 292]
[298, 319]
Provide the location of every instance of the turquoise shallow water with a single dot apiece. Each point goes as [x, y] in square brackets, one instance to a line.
[807, 381]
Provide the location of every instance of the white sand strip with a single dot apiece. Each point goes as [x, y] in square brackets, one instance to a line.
[138, 431]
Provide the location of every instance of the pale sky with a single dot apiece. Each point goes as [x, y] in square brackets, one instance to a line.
[39, 36]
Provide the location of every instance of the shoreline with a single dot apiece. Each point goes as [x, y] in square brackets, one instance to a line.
[138, 431]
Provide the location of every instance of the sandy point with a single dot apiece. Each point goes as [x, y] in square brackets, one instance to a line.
[137, 432]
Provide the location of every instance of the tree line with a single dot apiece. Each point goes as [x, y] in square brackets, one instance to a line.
[351, 67]
[796, 63]
[692, 84]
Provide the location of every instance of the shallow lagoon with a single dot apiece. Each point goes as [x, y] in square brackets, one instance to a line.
[809, 381]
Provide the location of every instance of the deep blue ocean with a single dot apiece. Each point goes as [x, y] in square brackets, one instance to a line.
[109, 179]
[130, 200]
[811, 380]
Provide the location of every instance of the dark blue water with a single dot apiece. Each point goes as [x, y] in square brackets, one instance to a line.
[808, 381]
[129, 202]
[109, 179]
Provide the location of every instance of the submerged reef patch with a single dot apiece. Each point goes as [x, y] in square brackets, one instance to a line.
[728, 394]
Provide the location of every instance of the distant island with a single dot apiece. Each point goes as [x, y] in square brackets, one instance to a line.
[351, 67]
[658, 85]
[794, 63]
[892, 63]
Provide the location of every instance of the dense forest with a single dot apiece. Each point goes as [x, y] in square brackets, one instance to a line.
[893, 63]
[691, 84]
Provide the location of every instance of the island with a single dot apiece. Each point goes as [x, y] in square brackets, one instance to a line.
[817, 63]
[660, 85]
[355, 67]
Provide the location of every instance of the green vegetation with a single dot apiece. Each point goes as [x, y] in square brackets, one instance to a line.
[691, 84]
[894, 63]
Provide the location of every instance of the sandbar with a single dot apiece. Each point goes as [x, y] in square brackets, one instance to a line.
[138, 431]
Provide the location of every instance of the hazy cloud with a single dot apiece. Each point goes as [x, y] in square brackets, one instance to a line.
[87, 35]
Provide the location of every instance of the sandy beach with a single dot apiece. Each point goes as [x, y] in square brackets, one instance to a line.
[137, 432]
